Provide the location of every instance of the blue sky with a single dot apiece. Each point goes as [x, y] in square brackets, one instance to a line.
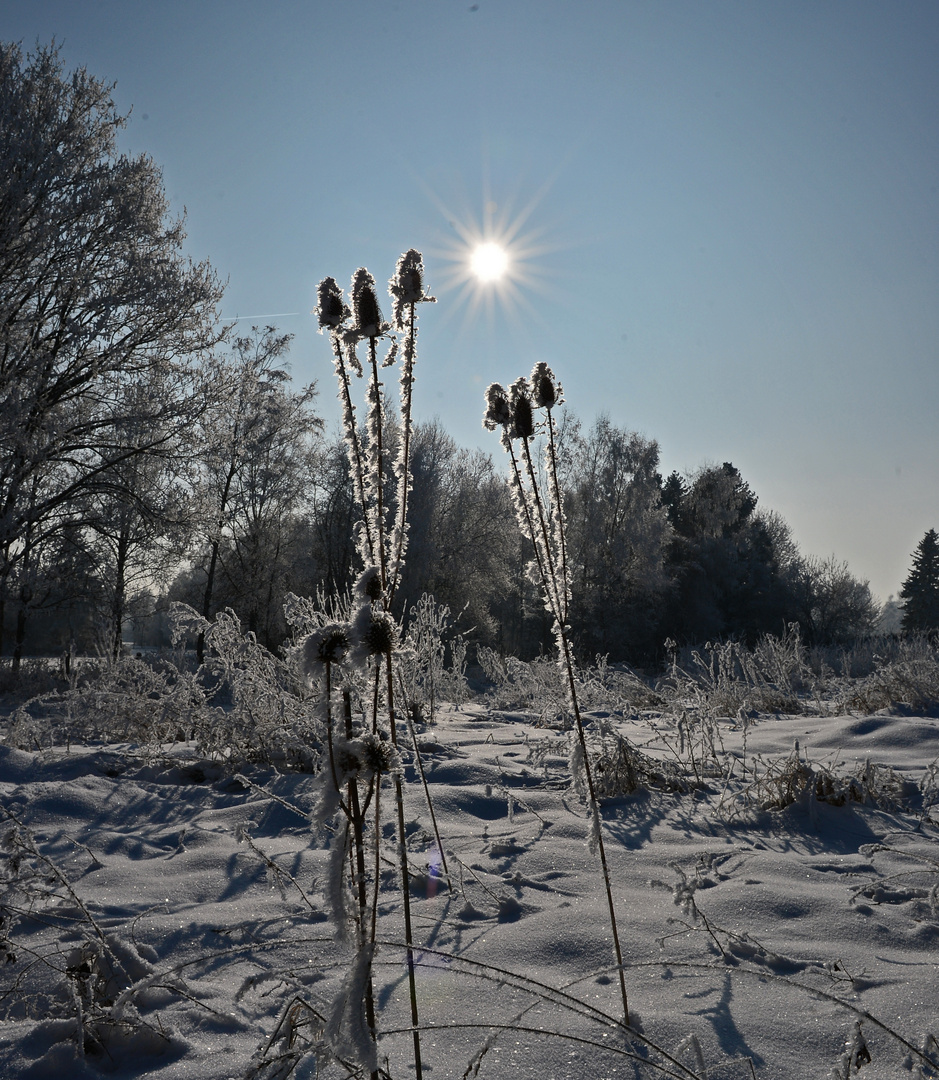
[726, 214]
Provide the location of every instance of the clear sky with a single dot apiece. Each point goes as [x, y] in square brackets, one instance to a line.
[724, 215]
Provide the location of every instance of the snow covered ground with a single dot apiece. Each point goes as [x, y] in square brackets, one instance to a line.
[755, 940]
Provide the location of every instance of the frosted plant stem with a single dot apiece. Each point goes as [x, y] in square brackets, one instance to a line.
[377, 871]
[329, 725]
[552, 588]
[353, 445]
[554, 597]
[378, 461]
[525, 518]
[355, 814]
[404, 460]
[405, 881]
[558, 511]
[595, 814]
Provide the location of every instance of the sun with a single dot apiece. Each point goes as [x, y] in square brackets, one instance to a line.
[493, 264]
[489, 261]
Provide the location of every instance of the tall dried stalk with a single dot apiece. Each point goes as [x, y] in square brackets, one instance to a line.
[373, 632]
[542, 523]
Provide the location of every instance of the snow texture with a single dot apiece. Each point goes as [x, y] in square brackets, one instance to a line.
[801, 942]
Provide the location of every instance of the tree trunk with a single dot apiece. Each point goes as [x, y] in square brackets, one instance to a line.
[207, 601]
[118, 599]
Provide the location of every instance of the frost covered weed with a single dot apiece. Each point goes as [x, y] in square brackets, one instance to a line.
[536, 687]
[728, 679]
[796, 781]
[914, 877]
[906, 675]
[61, 963]
[540, 687]
[621, 769]
[128, 701]
[424, 677]
[243, 705]
[368, 645]
[539, 507]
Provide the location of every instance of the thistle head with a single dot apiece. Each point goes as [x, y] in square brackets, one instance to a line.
[545, 389]
[366, 314]
[407, 286]
[331, 311]
[498, 411]
[378, 755]
[370, 754]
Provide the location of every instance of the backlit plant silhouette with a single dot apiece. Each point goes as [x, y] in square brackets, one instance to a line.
[359, 759]
[539, 507]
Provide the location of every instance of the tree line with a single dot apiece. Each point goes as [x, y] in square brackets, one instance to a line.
[148, 454]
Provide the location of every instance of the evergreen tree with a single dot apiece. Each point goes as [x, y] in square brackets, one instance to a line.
[920, 591]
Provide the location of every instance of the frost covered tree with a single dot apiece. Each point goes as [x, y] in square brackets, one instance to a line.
[618, 538]
[462, 541]
[95, 292]
[136, 522]
[254, 454]
[920, 591]
[833, 606]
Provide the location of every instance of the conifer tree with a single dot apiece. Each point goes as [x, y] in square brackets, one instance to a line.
[920, 591]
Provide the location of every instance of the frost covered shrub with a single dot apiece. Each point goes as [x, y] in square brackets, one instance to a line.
[127, 701]
[535, 686]
[244, 704]
[254, 708]
[423, 674]
[539, 686]
[796, 781]
[908, 675]
[729, 679]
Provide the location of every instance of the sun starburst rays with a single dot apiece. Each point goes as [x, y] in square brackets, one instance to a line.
[495, 263]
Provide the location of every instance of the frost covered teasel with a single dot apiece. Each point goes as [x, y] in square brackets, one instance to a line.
[546, 391]
[331, 310]
[367, 321]
[407, 288]
[324, 646]
[381, 541]
[539, 507]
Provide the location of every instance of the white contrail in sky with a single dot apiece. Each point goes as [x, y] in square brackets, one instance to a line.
[275, 315]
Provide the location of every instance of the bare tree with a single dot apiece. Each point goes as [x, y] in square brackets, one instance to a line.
[462, 543]
[94, 293]
[254, 457]
[618, 536]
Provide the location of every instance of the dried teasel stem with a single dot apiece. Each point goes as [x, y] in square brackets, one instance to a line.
[513, 413]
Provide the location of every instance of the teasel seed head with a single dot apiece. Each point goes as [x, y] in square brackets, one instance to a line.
[368, 585]
[326, 645]
[523, 418]
[379, 635]
[407, 286]
[331, 311]
[498, 411]
[545, 390]
[365, 310]
[378, 754]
